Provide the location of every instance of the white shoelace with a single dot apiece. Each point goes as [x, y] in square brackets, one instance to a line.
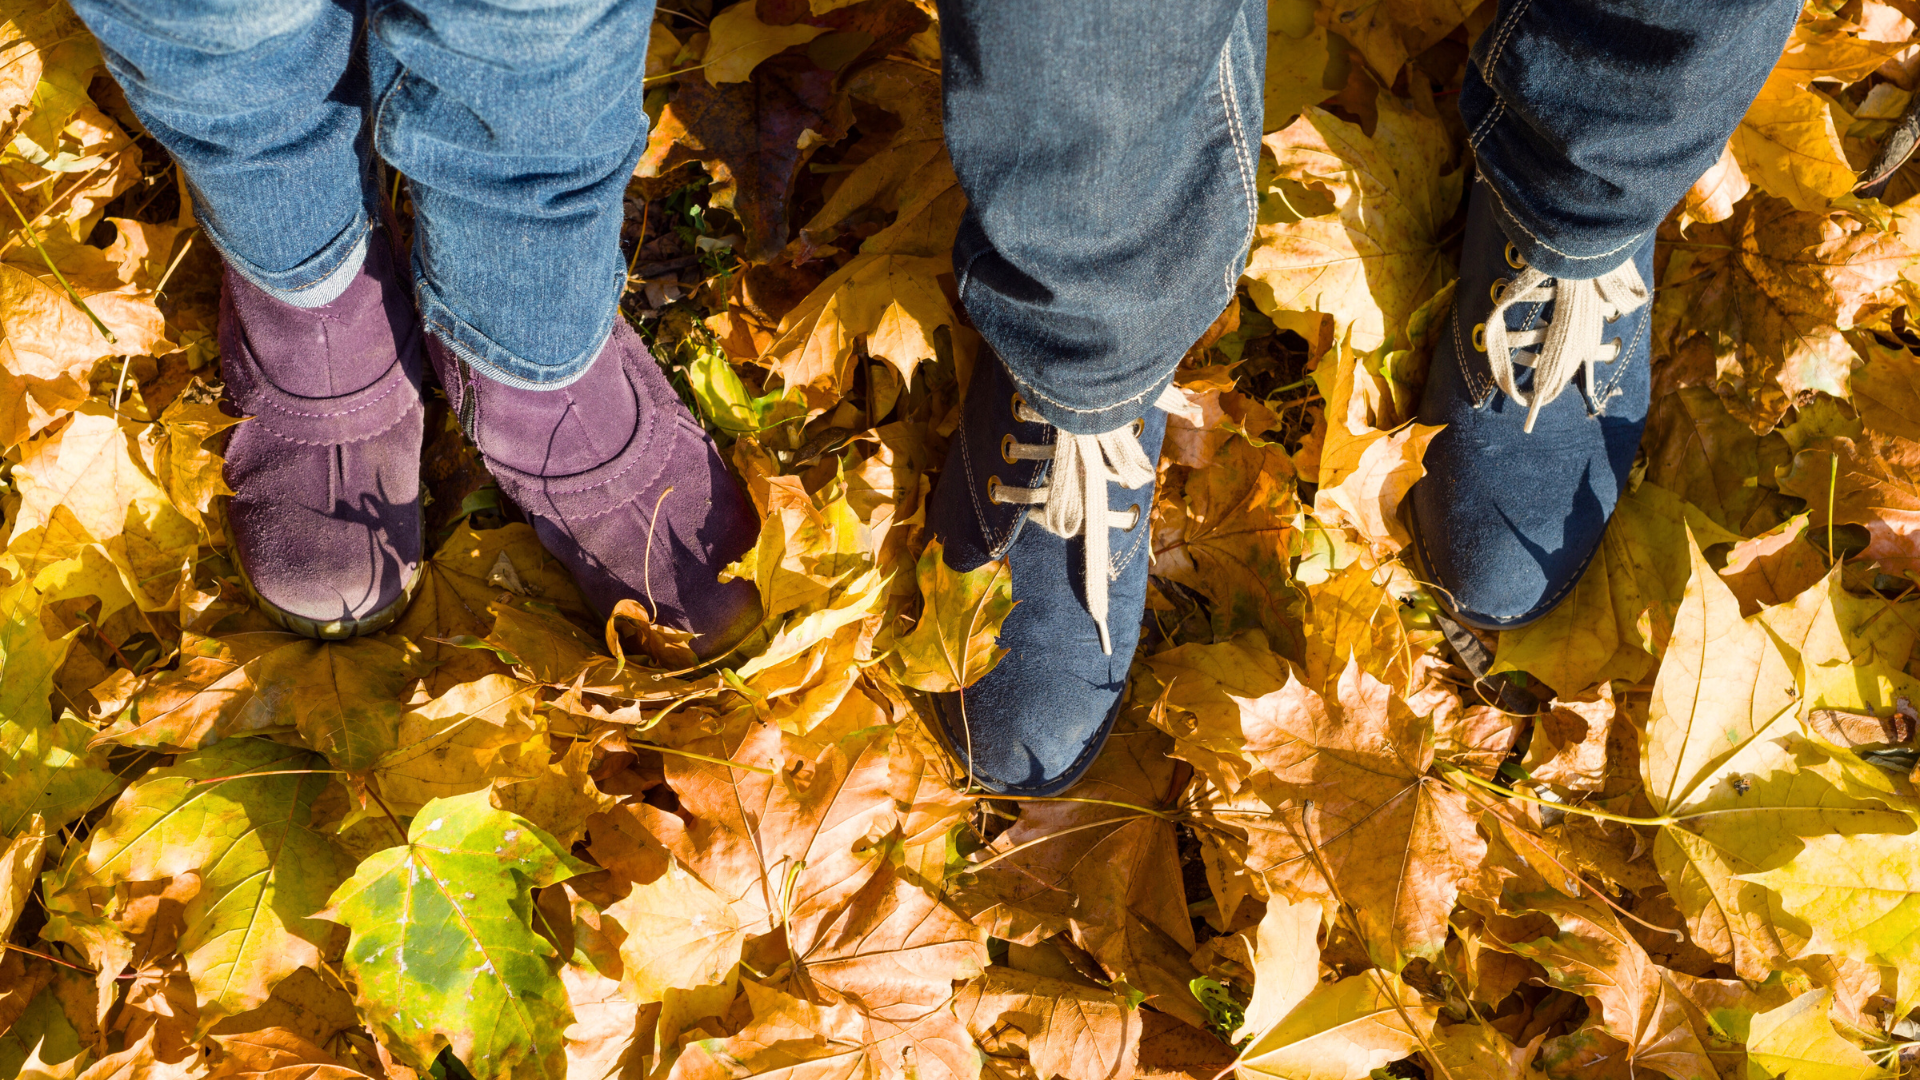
[1083, 466]
[1570, 341]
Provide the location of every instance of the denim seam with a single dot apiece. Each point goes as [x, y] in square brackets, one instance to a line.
[1482, 389]
[1486, 74]
[1511, 216]
[1116, 565]
[1480, 130]
[1121, 404]
[1500, 43]
[980, 514]
[1230, 102]
[280, 292]
[1600, 406]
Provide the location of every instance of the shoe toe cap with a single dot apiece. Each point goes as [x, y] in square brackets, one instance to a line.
[1029, 729]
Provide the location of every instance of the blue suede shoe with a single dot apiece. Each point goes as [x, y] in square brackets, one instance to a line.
[1543, 411]
[1035, 723]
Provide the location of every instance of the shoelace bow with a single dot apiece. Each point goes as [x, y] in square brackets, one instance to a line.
[1571, 339]
[1083, 466]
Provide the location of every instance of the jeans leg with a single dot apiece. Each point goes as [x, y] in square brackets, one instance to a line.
[517, 125]
[263, 106]
[1589, 119]
[1108, 151]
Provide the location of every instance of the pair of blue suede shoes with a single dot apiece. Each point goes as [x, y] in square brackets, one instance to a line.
[1542, 386]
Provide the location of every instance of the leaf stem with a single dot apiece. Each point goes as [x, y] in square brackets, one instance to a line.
[34, 239]
[1451, 772]
[1017, 848]
[268, 772]
[761, 769]
[50, 958]
[1161, 814]
[1353, 927]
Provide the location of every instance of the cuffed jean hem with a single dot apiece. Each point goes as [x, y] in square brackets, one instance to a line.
[318, 280]
[1555, 261]
[496, 361]
[1088, 421]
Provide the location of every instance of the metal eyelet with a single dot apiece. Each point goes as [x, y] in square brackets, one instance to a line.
[1479, 337]
[1499, 288]
[1139, 425]
[1006, 447]
[993, 488]
[1135, 523]
[1619, 348]
[1015, 405]
[1514, 258]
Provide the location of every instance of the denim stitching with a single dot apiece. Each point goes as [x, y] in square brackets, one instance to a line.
[1474, 382]
[1600, 406]
[1530, 235]
[1230, 101]
[1479, 131]
[1500, 43]
[1063, 407]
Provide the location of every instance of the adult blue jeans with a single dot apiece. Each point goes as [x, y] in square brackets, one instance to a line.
[1108, 149]
[517, 124]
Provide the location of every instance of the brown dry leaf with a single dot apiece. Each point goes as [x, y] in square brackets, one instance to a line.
[1107, 875]
[1068, 1029]
[271, 1054]
[1225, 531]
[680, 935]
[460, 742]
[1341, 1031]
[559, 798]
[752, 138]
[738, 41]
[1350, 773]
[19, 869]
[89, 486]
[1775, 566]
[1640, 1003]
[793, 840]
[1712, 197]
[1570, 740]
[1772, 291]
[1375, 257]
[1788, 143]
[1201, 695]
[792, 1039]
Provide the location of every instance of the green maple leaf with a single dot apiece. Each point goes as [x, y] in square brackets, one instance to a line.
[48, 770]
[263, 868]
[443, 953]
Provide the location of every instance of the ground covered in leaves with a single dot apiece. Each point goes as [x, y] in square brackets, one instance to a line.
[1674, 833]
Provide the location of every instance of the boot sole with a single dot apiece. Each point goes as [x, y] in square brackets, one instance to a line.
[336, 629]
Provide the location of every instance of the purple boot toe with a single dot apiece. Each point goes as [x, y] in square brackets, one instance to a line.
[622, 484]
[325, 514]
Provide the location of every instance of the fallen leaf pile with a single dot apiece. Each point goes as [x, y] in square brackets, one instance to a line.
[1672, 829]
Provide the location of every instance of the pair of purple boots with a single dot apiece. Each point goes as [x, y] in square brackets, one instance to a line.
[622, 485]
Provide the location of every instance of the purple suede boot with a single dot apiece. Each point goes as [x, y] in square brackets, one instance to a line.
[622, 484]
[325, 514]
